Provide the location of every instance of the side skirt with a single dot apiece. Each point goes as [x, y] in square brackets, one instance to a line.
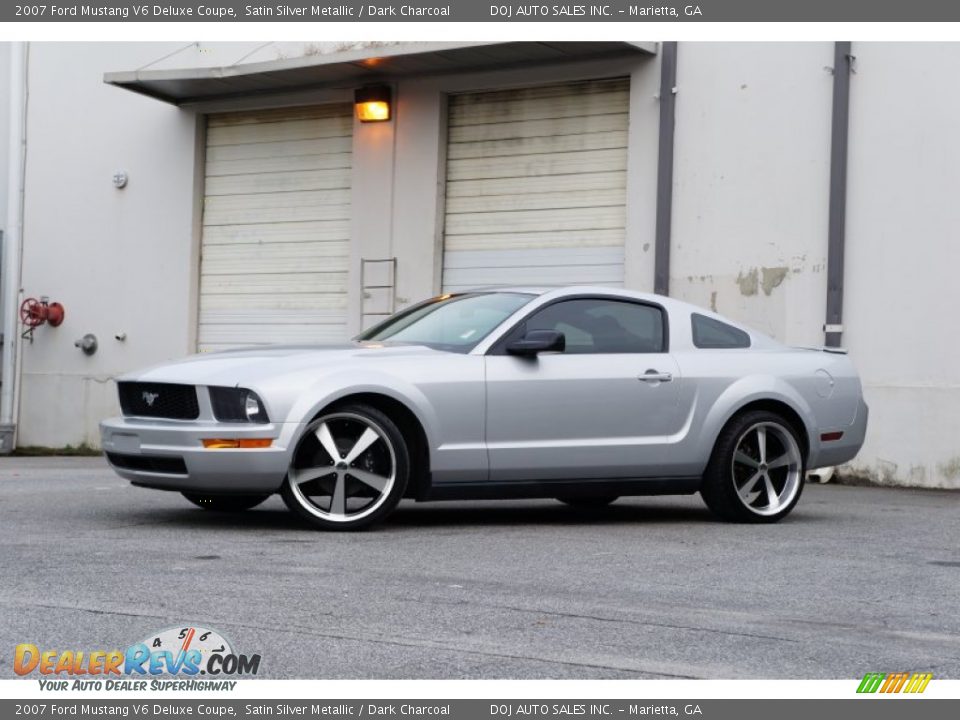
[621, 487]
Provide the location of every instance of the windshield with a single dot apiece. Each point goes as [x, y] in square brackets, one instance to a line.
[449, 322]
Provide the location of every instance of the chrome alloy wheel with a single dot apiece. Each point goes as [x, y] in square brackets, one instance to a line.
[343, 469]
[767, 468]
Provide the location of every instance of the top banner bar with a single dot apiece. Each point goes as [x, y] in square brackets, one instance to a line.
[486, 11]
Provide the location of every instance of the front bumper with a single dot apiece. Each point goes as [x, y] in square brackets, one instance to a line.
[149, 453]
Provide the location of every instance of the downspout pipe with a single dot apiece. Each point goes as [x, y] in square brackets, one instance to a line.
[12, 242]
[836, 232]
[668, 104]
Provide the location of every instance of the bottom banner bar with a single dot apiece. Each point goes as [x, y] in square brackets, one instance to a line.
[875, 709]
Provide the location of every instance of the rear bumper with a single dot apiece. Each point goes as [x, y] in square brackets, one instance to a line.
[837, 452]
[169, 455]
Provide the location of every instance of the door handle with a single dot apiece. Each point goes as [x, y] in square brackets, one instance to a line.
[655, 376]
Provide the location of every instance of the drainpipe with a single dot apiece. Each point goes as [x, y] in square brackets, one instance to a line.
[668, 103]
[12, 245]
[836, 233]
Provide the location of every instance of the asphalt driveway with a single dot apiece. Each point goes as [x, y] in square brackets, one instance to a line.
[856, 580]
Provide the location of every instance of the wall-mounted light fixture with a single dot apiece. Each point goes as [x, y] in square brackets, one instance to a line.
[373, 103]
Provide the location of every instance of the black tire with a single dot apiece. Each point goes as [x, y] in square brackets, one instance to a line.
[309, 449]
[723, 481]
[225, 503]
[589, 502]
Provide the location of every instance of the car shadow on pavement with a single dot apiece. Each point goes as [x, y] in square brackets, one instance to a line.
[436, 515]
[441, 514]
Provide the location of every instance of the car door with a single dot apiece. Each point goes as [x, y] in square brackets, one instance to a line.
[602, 408]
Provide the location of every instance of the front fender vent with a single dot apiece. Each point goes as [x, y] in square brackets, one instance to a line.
[149, 463]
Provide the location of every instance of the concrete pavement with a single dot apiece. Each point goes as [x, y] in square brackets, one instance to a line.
[856, 580]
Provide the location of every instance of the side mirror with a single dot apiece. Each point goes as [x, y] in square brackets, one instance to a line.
[538, 341]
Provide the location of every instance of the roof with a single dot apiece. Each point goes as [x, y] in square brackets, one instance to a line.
[672, 305]
[357, 67]
[561, 290]
[521, 289]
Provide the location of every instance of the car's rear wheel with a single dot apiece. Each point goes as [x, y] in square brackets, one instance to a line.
[589, 502]
[756, 472]
[349, 470]
[225, 503]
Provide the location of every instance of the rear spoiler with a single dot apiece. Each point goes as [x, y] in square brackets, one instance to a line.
[831, 350]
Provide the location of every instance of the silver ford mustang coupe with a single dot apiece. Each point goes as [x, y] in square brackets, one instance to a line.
[582, 394]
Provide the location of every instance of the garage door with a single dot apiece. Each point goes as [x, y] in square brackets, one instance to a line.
[276, 227]
[536, 186]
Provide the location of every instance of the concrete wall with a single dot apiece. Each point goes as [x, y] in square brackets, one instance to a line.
[750, 223]
[125, 261]
[5, 49]
[121, 261]
[749, 219]
[903, 251]
[751, 184]
[118, 260]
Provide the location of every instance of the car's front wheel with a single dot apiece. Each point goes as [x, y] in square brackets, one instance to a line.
[756, 472]
[349, 470]
[225, 503]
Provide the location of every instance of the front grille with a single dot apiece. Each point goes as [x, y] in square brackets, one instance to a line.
[159, 400]
[149, 463]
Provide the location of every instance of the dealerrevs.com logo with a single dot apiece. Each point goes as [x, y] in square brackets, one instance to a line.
[182, 658]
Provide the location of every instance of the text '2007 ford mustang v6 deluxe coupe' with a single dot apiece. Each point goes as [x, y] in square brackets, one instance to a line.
[582, 394]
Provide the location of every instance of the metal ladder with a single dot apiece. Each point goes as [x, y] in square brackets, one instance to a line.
[378, 289]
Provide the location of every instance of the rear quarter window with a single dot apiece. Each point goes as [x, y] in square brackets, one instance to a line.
[710, 334]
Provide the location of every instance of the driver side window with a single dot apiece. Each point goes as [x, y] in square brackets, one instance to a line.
[603, 326]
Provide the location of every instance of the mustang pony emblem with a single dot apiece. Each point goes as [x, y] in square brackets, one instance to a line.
[149, 398]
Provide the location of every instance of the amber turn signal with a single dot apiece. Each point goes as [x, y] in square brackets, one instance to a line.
[235, 443]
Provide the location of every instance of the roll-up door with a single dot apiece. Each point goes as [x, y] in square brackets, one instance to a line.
[276, 227]
[536, 186]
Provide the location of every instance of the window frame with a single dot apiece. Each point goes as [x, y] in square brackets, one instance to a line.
[362, 336]
[499, 347]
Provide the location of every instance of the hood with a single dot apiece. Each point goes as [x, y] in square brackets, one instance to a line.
[247, 366]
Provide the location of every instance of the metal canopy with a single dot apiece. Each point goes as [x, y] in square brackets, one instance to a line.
[357, 67]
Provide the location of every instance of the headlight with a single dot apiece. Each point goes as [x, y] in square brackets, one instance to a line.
[252, 407]
[237, 405]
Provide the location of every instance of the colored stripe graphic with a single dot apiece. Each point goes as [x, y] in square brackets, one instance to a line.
[894, 682]
[918, 683]
[870, 683]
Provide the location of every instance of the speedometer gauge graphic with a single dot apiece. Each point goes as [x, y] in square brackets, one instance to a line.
[180, 640]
